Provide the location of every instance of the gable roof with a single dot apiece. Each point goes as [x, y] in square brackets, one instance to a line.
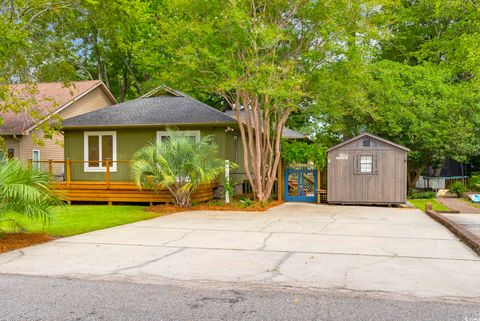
[287, 132]
[163, 110]
[46, 99]
[371, 136]
[170, 108]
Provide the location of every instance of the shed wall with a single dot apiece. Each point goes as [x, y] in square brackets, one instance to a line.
[387, 186]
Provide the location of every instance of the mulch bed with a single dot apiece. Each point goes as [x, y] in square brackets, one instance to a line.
[234, 206]
[13, 241]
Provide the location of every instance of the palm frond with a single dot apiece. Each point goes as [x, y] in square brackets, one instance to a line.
[179, 164]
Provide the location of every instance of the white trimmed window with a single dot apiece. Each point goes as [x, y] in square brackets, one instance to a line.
[162, 136]
[366, 164]
[36, 159]
[100, 147]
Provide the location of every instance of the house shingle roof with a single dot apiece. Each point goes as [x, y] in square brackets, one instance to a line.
[42, 98]
[161, 110]
[173, 108]
[287, 132]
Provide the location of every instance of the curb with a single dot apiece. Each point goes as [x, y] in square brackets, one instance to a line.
[467, 237]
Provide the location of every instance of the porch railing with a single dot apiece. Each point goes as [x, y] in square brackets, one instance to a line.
[66, 176]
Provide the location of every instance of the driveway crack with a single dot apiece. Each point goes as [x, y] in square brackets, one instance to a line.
[276, 269]
[147, 262]
[333, 220]
[265, 240]
[15, 258]
[179, 239]
[269, 224]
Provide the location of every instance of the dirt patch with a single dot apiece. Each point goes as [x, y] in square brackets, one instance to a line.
[13, 241]
[214, 206]
[458, 204]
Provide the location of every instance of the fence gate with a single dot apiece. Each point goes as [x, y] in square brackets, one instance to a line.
[301, 185]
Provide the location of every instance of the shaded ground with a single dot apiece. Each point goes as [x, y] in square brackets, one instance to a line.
[394, 252]
[470, 222]
[59, 299]
[13, 241]
[458, 204]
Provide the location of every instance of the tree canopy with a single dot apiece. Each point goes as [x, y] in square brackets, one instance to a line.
[403, 69]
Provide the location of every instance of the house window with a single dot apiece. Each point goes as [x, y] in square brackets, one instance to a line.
[36, 159]
[100, 147]
[162, 136]
[11, 153]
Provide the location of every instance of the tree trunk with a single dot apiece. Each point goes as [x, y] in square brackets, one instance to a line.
[124, 86]
[261, 131]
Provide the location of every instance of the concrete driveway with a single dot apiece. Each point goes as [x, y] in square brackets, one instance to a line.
[401, 252]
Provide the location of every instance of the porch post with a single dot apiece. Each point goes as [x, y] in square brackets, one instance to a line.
[68, 172]
[107, 173]
[50, 167]
[319, 185]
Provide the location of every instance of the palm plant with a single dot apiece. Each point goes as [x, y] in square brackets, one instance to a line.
[179, 164]
[24, 191]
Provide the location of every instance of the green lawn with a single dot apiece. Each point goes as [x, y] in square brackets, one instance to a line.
[420, 204]
[76, 219]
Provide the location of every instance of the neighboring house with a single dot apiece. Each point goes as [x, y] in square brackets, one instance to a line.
[48, 99]
[117, 132]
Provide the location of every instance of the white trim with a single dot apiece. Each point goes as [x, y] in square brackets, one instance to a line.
[164, 133]
[73, 100]
[87, 168]
[34, 162]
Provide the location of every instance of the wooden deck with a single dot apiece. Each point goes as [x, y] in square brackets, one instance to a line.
[107, 190]
[76, 191]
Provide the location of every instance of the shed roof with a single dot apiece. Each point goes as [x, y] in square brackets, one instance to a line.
[46, 99]
[371, 136]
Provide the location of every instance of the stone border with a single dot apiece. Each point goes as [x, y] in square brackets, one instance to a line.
[463, 234]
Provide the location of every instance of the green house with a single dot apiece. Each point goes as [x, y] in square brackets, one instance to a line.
[112, 135]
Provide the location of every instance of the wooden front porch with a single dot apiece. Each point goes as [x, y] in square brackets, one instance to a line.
[107, 190]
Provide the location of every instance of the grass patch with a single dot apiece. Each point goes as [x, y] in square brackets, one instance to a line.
[469, 202]
[420, 204]
[77, 219]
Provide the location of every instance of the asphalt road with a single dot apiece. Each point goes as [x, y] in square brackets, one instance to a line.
[25, 298]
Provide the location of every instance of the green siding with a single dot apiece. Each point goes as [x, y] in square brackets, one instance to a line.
[129, 141]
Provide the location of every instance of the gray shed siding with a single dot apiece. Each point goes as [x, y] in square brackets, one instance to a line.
[388, 183]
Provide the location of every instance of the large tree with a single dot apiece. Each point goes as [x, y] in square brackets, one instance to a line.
[261, 57]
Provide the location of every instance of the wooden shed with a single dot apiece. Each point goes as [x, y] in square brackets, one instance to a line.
[367, 169]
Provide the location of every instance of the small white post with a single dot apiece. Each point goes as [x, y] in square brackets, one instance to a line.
[227, 180]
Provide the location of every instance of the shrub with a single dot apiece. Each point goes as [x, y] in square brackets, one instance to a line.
[26, 192]
[475, 181]
[458, 188]
[179, 164]
[415, 194]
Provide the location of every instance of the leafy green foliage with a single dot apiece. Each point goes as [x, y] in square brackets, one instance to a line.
[458, 188]
[415, 194]
[475, 181]
[25, 192]
[179, 164]
[302, 153]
